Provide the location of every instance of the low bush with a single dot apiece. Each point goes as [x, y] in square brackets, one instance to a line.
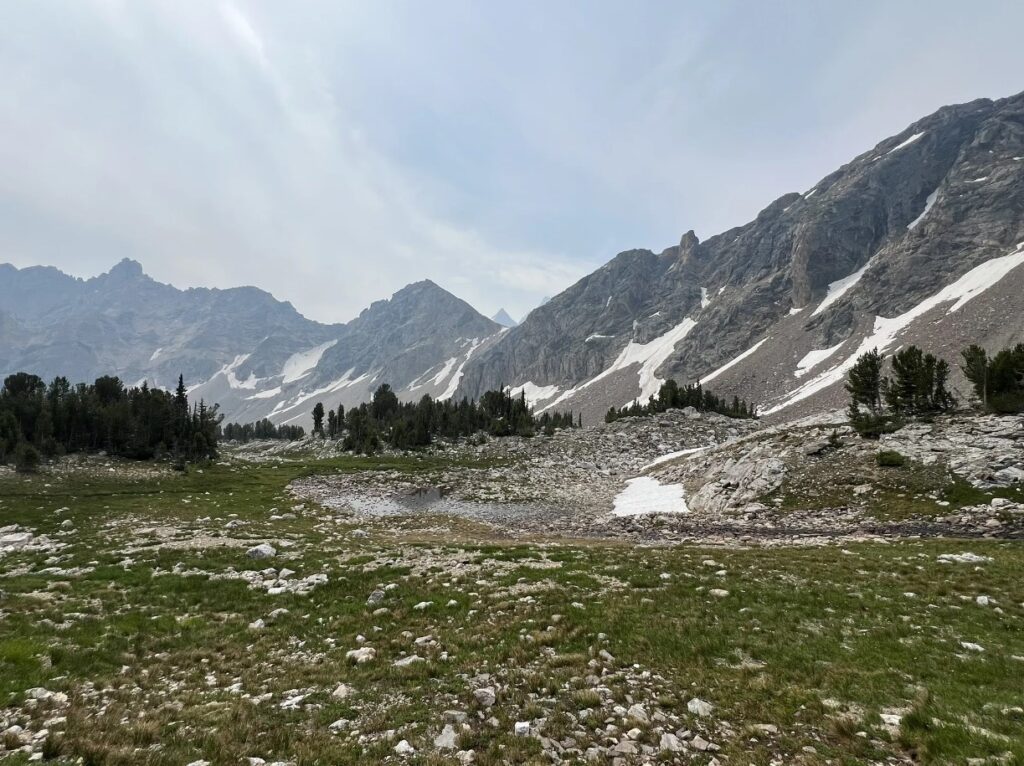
[888, 458]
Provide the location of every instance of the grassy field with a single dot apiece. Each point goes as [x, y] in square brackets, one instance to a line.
[805, 654]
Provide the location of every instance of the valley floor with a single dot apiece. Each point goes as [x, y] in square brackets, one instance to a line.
[484, 605]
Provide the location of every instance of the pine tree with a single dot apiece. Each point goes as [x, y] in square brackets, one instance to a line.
[318, 419]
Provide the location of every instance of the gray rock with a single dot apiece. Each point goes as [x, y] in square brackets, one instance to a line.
[261, 551]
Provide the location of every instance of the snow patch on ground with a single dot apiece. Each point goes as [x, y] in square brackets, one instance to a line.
[595, 336]
[300, 364]
[735, 361]
[811, 193]
[886, 331]
[705, 301]
[794, 311]
[813, 358]
[671, 456]
[927, 206]
[156, 354]
[840, 287]
[646, 495]
[908, 142]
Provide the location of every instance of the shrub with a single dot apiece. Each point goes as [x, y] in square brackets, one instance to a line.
[873, 426]
[26, 458]
[888, 458]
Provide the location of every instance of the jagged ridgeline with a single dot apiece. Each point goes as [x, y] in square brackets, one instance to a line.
[404, 425]
[671, 397]
[138, 422]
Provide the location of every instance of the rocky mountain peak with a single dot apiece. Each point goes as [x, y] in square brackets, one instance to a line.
[502, 318]
[126, 269]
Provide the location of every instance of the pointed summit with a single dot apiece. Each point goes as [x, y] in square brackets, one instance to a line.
[503, 319]
[126, 268]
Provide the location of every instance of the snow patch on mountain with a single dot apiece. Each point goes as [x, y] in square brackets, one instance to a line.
[886, 330]
[839, 288]
[733, 362]
[535, 394]
[813, 358]
[927, 206]
[906, 143]
[453, 384]
[300, 364]
[650, 356]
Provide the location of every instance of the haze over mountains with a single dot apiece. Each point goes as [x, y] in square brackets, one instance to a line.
[917, 240]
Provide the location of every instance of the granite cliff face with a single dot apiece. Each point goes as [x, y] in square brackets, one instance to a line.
[916, 240]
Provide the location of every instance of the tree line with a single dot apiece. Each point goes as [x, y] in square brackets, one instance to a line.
[138, 422]
[261, 429]
[406, 425]
[918, 386]
[671, 396]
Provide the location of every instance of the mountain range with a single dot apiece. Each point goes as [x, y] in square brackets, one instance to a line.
[918, 240]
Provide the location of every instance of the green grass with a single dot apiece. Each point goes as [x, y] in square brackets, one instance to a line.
[816, 641]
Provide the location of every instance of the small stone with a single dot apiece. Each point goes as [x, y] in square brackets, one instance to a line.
[485, 696]
[638, 713]
[521, 729]
[699, 707]
[670, 743]
[361, 655]
[446, 740]
[375, 598]
[404, 748]
[405, 662]
[342, 691]
[718, 592]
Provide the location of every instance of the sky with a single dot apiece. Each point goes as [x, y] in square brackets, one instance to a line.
[332, 152]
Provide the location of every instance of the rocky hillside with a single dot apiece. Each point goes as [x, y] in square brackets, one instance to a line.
[254, 355]
[917, 240]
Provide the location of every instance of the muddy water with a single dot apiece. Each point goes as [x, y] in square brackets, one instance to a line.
[437, 500]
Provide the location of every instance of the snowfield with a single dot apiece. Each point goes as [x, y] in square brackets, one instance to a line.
[299, 365]
[646, 495]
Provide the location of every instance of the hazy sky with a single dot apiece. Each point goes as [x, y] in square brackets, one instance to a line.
[331, 152]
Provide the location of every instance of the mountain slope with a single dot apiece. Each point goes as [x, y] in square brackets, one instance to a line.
[883, 251]
[254, 355]
[418, 342]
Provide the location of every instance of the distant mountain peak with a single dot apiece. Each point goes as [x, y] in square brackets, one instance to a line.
[126, 268]
[504, 319]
